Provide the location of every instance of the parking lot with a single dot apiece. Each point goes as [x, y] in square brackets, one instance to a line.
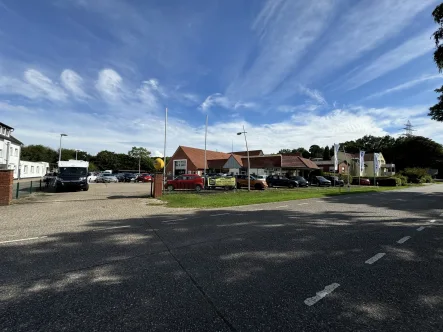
[118, 261]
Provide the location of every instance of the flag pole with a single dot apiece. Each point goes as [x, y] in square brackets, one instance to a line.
[359, 166]
[164, 148]
[206, 135]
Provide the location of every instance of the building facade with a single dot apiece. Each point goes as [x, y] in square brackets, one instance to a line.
[10, 151]
[192, 160]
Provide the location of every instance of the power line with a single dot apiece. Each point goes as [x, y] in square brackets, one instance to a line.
[408, 129]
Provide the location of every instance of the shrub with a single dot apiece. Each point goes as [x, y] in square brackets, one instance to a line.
[426, 179]
[403, 179]
[415, 174]
[388, 182]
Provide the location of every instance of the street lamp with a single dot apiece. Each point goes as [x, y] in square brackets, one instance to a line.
[247, 150]
[76, 151]
[60, 149]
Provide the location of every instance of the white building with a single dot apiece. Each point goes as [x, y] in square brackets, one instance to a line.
[10, 150]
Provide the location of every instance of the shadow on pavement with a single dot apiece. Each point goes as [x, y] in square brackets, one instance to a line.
[232, 270]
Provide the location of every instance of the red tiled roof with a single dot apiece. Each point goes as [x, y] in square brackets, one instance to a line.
[238, 159]
[263, 161]
[297, 162]
[252, 153]
[197, 156]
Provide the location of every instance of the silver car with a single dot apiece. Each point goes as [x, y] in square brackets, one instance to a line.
[106, 178]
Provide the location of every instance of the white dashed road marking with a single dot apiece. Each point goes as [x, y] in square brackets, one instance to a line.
[282, 206]
[174, 220]
[105, 228]
[328, 290]
[28, 239]
[303, 204]
[420, 229]
[218, 214]
[375, 258]
[403, 239]
[433, 220]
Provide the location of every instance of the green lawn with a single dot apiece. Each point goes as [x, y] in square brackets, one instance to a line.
[242, 197]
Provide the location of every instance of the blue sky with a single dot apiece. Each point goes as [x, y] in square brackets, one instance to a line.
[295, 73]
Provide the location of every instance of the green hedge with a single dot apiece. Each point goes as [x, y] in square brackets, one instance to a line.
[403, 179]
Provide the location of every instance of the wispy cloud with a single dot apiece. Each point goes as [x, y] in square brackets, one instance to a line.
[362, 28]
[72, 82]
[314, 95]
[393, 59]
[44, 85]
[109, 84]
[219, 100]
[284, 39]
[404, 86]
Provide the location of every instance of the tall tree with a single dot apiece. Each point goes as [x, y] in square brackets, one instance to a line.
[305, 153]
[139, 152]
[326, 153]
[39, 153]
[436, 111]
[285, 151]
[316, 151]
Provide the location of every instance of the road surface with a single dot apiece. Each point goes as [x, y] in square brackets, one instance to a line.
[368, 262]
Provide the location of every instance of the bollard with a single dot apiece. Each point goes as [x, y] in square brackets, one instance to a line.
[30, 188]
[17, 190]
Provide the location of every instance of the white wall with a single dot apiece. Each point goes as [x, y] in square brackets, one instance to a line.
[11, 153]
[30, 169]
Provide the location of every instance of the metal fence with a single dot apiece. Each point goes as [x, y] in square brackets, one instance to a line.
[20, 189]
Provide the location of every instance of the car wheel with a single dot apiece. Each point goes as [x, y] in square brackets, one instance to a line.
[258, 187]
[291, 185]
[86, 188]
[238, 186]
[270, 185]
[198, 188]
[170, 187]
[227, 188]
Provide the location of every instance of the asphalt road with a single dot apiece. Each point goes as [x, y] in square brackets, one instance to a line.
[367, 262]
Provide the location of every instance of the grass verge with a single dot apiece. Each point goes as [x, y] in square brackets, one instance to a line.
[242, 197]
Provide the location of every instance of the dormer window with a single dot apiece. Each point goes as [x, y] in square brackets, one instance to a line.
[7, 132]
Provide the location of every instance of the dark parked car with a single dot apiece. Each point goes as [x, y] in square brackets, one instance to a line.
[335, 181]
[281, 181]
[302, 182]
[320, 181]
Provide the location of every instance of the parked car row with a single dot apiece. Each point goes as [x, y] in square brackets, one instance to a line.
[107, 177]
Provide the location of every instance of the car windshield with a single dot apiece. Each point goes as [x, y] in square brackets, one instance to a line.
[321, 178]
[73, 171]
[300, 178]
[107, 174]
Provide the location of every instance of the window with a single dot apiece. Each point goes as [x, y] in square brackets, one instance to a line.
[7, 132]
[10, 152]
[32, 169]
[38, 169]
[4, 131]
[16, 152]
[25, 170]
[1, 153]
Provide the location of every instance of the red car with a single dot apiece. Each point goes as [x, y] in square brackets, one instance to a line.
[144, 178]
[185, 181]
[363, 181]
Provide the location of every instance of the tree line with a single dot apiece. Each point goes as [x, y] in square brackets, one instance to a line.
[404, 151]
[104, 160]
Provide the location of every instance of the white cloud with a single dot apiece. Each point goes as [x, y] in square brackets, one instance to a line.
[219, 100]
[73, 83]
[216, 99]
[393, 59]
[362, 28]
[119, 133]
[109, 84]
[286, 29]
[44, 85]
[404, 86]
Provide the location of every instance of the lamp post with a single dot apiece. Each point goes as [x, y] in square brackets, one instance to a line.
[60, 149]
[76, 151]
[249, 164]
